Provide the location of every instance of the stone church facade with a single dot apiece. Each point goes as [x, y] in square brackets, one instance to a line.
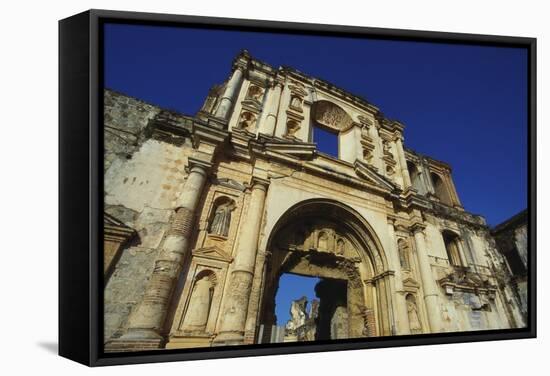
[204, 213]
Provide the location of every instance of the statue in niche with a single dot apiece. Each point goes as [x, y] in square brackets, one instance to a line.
[255, 93]
[296, 103]
[322, 242]
[292, 127]
[198, 309]
[222, 219]
[403, 254]
[340, 246]
[414, 319]
[386, 147]
[247, 121]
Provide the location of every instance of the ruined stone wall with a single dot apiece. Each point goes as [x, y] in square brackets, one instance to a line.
[142, 178]
[125, 119]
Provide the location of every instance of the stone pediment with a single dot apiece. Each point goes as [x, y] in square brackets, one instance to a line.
[366, 172]
[115, 229]
[212, 253]
[409, 282]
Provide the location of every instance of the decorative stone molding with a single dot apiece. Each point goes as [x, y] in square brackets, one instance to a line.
[331, 116]
[466, 281]
[212, 253]
[388, 157]
[368, 173]
[367, 141]
[115, 235]
[255, 93]
[247, 121]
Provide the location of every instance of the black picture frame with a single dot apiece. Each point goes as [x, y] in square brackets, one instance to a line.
[80, 186]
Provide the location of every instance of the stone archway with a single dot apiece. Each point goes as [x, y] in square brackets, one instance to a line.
[329, 240]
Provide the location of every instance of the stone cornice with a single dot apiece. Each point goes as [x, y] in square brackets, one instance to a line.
[417, 227]
[116, 230]
[300, 156]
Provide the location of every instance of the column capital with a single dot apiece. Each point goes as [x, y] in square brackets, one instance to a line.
[239, 65]
[277, 82]
[398, 137]
[391, 219]
[417, 227]
[259, 183]
[198, 165]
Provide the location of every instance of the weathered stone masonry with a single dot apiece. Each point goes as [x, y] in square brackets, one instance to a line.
[204, 213]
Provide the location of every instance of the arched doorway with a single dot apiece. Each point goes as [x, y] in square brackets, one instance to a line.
[326, 239]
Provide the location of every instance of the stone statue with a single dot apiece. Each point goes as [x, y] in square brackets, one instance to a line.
[222, 219]
[322, 243]
[414, 319]
[296, 103]
[196, 316]
[340, 247]
[247, 121]
[403, 254]
[292, 127]
[255, 93]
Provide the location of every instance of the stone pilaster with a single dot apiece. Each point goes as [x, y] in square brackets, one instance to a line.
[269, 118]
[146, 322]
[240, 284]
[230, 93]
[401, 306]
[429, 287]
[403, 163]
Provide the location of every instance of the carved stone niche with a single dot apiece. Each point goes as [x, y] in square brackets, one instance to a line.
[292, 127]
[247, 121]
[220, 217]
[388, 157]
[199, 306]
[413, 313]
[255, 93]
[332, 116]
[366, 140]
[296, 103]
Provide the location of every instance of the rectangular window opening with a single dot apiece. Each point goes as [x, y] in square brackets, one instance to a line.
[327, 141]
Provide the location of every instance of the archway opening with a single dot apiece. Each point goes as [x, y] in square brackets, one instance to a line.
[328, 241]
[310, 308]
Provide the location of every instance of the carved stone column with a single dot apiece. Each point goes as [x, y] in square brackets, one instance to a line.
[236, 303]
[403, 163]
[272, 109]
[429, 286]
[230, 93]
[401, 304]
[383, 306]
[146, 322]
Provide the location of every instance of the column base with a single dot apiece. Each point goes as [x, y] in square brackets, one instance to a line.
[229, 339]
[189, 342]
[135, 340]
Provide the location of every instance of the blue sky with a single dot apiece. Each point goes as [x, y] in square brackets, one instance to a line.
[465, 105]
[292, 287]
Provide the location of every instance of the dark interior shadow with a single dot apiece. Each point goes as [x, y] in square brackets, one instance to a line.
[49, 346]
